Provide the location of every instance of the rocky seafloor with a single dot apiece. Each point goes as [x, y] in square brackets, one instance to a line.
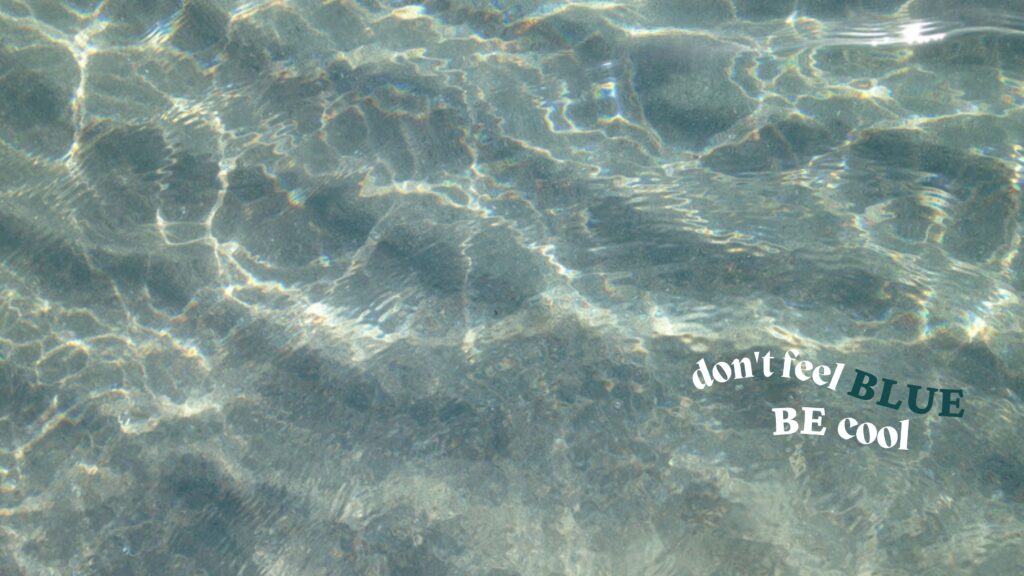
[351, 287]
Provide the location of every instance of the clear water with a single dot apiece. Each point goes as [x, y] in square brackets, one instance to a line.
[357, 287]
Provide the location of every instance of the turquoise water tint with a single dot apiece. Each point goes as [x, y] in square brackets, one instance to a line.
[332, 287]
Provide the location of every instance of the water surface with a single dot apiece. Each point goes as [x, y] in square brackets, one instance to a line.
[358, 287]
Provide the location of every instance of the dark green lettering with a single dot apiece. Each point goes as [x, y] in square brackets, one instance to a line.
[886, 390]
[948, 402]
[864, 381]
[912, 401]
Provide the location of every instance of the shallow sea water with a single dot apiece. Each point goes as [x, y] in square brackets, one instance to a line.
[357, 287]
